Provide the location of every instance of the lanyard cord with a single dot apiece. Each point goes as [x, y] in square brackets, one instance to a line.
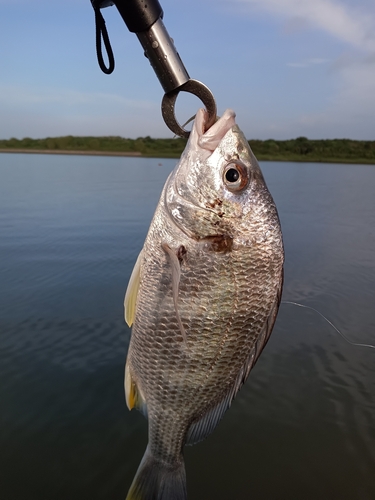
[101, 32]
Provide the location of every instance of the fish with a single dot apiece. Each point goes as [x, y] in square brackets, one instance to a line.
[202, 299]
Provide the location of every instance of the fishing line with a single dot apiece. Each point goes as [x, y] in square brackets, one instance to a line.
[186, 123]
[329, 322]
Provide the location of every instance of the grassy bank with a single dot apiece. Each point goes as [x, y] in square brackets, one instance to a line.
[300, 149]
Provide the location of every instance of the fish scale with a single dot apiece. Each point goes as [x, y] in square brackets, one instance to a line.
[204, 296]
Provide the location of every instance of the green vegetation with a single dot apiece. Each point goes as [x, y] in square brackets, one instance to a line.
[324, 150]
[146, 146]
[300, 149]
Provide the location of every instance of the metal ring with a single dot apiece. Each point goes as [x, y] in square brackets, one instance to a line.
[193, 87]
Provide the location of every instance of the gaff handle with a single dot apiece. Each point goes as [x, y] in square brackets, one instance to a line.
[144, 18]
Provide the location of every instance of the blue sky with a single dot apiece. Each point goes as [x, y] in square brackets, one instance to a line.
[287, 67]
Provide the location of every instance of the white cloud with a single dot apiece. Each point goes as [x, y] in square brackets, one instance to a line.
[344, 22]
[345, 95]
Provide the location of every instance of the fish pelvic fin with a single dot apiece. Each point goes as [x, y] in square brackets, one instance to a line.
[156, 480]
[132, 291]
[133, 396]
[176, 275]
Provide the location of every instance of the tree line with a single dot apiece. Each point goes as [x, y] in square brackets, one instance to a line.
[300, 149]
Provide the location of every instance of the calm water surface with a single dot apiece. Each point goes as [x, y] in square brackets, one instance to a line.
[301, 428]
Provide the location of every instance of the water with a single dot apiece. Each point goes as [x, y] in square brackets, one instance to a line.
[303, 425]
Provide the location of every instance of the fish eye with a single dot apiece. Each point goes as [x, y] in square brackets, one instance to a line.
[235, 176]
[232, 175]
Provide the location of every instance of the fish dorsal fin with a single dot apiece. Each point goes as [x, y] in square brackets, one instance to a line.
[203, 427]
[133, 396]
[132, 291]
[176, 275]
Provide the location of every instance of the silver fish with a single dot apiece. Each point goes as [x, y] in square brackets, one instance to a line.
[203, 298]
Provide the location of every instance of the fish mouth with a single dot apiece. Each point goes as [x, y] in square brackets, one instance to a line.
[210, 139]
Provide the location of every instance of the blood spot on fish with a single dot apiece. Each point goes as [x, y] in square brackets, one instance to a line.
[215, 203]
[220, 243]
[181, 253]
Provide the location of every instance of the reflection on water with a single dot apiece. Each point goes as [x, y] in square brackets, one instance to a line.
[303, 425]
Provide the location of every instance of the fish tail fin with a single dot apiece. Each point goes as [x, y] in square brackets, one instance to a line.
[156, 480]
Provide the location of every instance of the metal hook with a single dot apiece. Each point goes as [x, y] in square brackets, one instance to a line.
[196, 88]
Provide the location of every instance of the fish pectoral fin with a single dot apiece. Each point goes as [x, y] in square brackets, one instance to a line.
[176, 275]
[132, 291]
[133, 396]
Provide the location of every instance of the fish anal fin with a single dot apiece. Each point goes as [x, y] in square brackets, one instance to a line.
[132, 291]
[133, 396]
[202, 427]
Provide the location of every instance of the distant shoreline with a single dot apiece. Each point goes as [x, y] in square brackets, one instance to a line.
[137, 154]
[300, 150]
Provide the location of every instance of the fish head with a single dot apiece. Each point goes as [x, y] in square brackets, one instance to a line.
[217, 188]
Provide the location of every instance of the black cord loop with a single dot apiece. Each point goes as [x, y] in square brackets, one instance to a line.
[101, 32]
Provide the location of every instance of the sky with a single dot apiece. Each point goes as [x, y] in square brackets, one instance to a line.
[288, 68]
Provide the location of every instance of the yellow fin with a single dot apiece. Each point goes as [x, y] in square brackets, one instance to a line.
[130, 395]
[132, 291]
[133, 396]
